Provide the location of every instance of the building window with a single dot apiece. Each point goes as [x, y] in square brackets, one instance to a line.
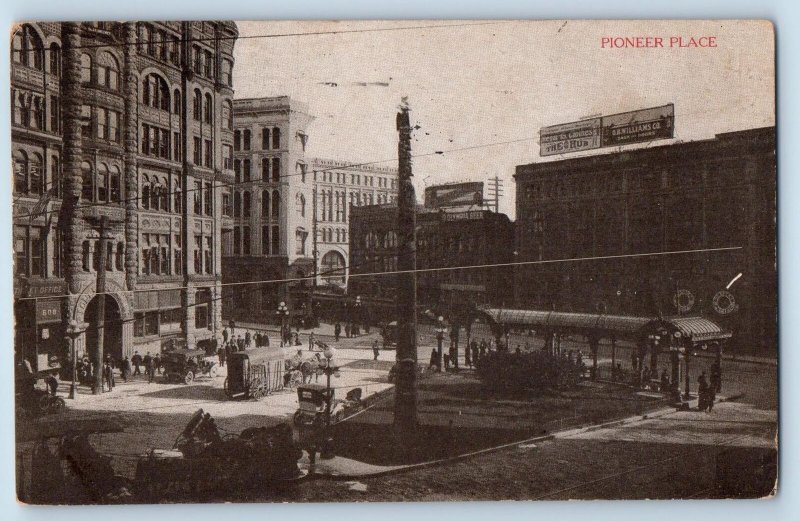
[208, 64]
[176, 101]
[198, 151]
[265, 240]
[333, 267]
[208, 257]
[246, 205]
[226, 78]
[197, 105]
[300, 202]
[198, 196]
[177, 255]
[227, 115]
[208, 110]
[265, 138]
[226, 204]
[87, 190]
[86, 68]
[237, 139]
[227, 157]
[237, 240]
[246, 139]
[245, 240]
[208, 199]
[198, 259]
[276, 205]
[276, 138]
[246, 170]
[237, 204]
[177, 197]
[177, 146]
[155, 92]
[237, 170]
[301, 169]
[265, 204]
[202, 310]
[275, 240]
[108, 71]
[28, 251]
[276, 169]
[300, 240]
[208, 155]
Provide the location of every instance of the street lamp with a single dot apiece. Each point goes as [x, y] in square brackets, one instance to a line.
[283, 314]
[74, 330]
[357, 312]
[330, 368]
[440, 331]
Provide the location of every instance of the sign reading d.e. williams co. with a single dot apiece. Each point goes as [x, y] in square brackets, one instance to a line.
[617, 129]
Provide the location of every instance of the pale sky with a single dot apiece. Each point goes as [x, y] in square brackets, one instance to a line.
[472, 86]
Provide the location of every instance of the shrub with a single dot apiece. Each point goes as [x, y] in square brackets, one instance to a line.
[516, 372]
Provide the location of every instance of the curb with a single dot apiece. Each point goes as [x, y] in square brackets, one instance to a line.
[561, 434]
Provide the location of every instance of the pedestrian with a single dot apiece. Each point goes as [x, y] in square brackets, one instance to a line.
[221, 357]
[225, 335]
[228, 348]
[716, 377]
[157, 362]
[474, 353]
[347, 330]
[337, 331]
[52, 383]
[446, 362]
[467, 356]
[257, 339]
[247, 339]
[137, 362]
[150, 369]
[664, 381]
[311, 341]
[375, 349]
[148, 363]
[702, 392]
[265, 340]
[108, 375]
[434, 363]
[239, 343]
[125, 370]
[482, 348]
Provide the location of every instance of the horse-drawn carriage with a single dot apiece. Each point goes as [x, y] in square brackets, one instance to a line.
[254, 373]
[184, 365]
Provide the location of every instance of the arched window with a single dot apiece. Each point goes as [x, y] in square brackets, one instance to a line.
[55, 59]
[197, 105]
[108, 71]
[176, 101]
[86, 68]
[300, 203]
[165, 194]
[145, 197]
[155, 92]
[276, 169]
[87, 172]
[333, 267]
[177, 199]
[246, 205]
[116, 187]
[276, 205]
[265, 204]
[20, 172]
[27, 48]
[102, 183]
[237, 139]
[371, 240]
[155, 194]
[237, 204]
[208, 109]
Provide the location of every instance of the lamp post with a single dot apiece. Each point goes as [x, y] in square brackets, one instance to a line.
[330, 368]
[74, 330]
[283, 314]
[357, 312]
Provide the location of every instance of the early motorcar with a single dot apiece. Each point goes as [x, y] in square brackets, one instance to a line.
[310, 417]
[184, 365]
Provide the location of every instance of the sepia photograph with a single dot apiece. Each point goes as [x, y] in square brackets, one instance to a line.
[393, 261]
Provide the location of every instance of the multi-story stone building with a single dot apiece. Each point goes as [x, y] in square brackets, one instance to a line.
[450, 241]
[268, 213]
[715, 193]
[339, 186]
[125, 127]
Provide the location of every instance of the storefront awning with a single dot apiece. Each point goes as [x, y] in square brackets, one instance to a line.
[699, 329]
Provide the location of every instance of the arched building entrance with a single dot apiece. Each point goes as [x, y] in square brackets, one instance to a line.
[112, 328]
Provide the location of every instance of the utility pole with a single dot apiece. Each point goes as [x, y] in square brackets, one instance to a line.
[315, 251]
[101, 306]
[405, 401]
[495, 191]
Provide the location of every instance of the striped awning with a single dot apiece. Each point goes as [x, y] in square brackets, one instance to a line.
[699, 329]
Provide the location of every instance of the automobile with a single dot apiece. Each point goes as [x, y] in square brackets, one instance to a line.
[184, 365]
[309, 419]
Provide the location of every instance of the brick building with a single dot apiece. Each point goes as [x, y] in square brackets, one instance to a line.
[268, 215]
[713, 193]
[446, 238]
[339, 186]
[129, 123]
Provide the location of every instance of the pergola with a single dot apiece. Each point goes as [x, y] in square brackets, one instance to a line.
[679, 335]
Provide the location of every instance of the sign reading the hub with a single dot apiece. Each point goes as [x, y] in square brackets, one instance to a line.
[638, 126]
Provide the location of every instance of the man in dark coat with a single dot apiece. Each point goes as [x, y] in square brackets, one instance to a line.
[148, 363]
[221, 356]
[108, 375]
[137, 361]
[247, 339]
[125, 369]
[337, 331]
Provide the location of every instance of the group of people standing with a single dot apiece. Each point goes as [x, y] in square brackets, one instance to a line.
[127, 367]
[472, 354]
[350, 330]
